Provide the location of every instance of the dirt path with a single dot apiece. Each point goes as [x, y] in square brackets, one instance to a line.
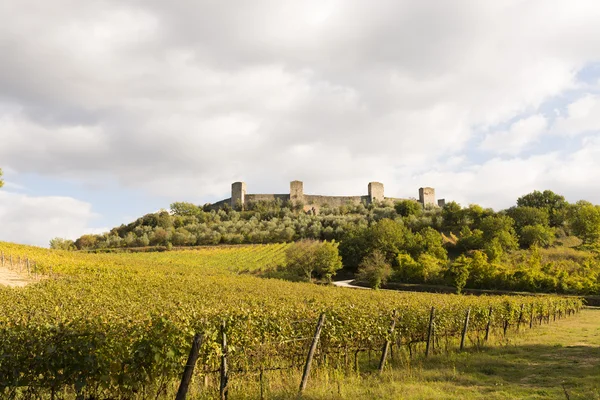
[11, 278]
[347, 284]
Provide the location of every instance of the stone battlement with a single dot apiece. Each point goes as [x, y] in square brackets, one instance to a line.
[375, 193]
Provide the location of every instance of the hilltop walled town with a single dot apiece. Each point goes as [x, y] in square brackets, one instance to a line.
[375, 193]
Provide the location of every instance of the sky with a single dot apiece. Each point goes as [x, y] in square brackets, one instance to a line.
[113, 109]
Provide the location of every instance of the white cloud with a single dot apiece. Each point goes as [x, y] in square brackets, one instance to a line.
[180, 99]
[36, 220]
[518, 137]
[583, 116]
[499, 182]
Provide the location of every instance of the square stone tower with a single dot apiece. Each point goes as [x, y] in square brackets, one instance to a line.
[296, 191]
[375, 192]
[427, 196]
[238, 194]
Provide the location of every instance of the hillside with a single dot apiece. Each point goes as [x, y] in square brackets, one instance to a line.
[120, 325]
[542, 244]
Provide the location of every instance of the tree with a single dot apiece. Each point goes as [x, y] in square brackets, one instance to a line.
[470, 240]
[500, 227]
[493, 249]
[474, 214]
[164, 219]
[327, 260]
[185, 209]
[555, 204]
[481, 272]
[453, 217]
[584, 219]
[430, 241]
[431, 268]
[406, 208]
[526, 215]
[407, 269]
[536, 235]
[375, 270]
[181, 237]
[389, 237]
[160, 237]
[457, 273]
[62, 244]
[86, 242]
[310, 257]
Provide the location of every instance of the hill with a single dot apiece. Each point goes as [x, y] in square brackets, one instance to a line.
[543, 244]
[119, 325]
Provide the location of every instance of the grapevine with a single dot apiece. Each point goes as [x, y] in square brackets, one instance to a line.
[116, 325]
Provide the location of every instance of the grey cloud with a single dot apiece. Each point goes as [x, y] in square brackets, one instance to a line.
[184, 96]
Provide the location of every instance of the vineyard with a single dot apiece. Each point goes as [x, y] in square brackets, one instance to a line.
[121, 325]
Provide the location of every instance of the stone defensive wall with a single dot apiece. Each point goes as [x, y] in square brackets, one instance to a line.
[240, 197]
[334, 201]
[266, 197]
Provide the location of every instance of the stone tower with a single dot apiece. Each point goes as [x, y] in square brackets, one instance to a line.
[238, 194]
[296, 191]
[375, 192]
[427, 196]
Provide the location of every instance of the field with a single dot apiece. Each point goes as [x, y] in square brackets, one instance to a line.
[121, 325]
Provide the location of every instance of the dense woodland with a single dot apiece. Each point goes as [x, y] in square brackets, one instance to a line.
[543, 243]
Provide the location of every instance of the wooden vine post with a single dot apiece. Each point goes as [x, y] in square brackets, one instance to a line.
[489, 324]
[430, 331]
[224, 389]
[311, 353]
[465, 328]
[520, 317]
[531, 317]
[386, 345]
[189, 367]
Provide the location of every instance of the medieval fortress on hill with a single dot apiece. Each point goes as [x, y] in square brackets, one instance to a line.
[239, 197]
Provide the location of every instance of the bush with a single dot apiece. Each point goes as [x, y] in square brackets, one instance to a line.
[406, 208]
[536, 235]
[407, 269]
[457, 273]
[431, 268]
[374, 270]
[62, 244]
[584, 219]
[310, 258]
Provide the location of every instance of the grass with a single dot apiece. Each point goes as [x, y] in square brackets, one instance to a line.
[556, 361]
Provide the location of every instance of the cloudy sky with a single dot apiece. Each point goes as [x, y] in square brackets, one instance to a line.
[112, 109]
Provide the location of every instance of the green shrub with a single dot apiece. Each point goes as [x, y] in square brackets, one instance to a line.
[536, 235]
[375, 270]
[458, 273]
[311, 258]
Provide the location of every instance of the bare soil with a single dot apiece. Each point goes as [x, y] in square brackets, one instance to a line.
[12, 278]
